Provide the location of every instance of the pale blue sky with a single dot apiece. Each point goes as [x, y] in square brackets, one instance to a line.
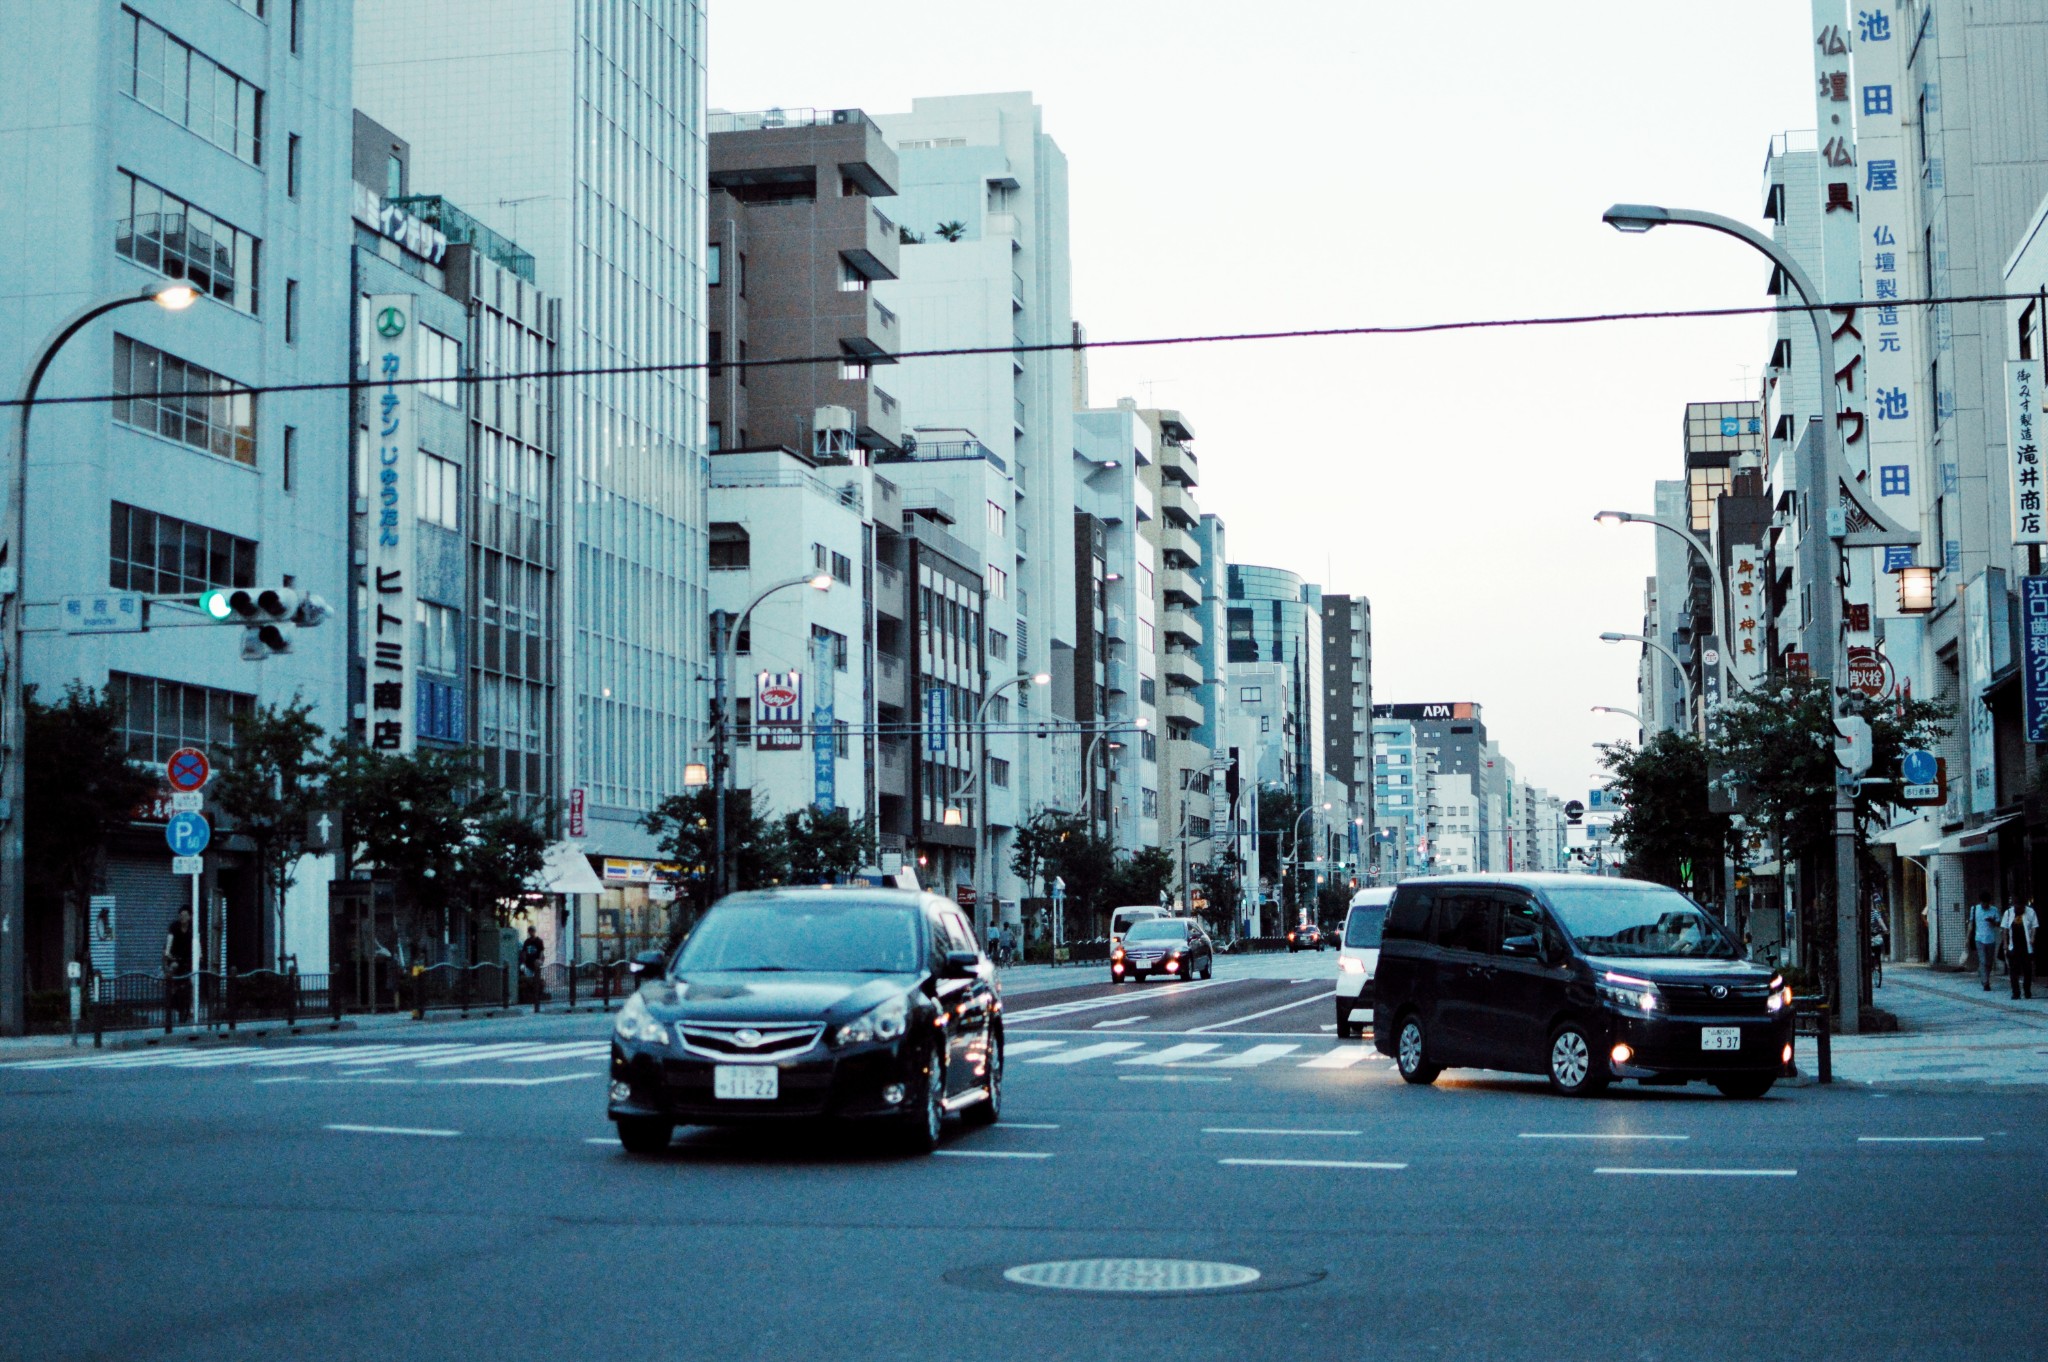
[1305, 164]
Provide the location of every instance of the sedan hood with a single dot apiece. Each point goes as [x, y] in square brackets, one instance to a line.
[754, 995]
[1681, 970]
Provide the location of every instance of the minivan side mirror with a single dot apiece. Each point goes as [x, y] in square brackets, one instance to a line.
[1526, 946]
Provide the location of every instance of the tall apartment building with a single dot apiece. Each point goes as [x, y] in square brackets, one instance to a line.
[156, 142]
[1347, 717]
[982, 203]
[1449, 741]
[579, 131]
[1187, 706]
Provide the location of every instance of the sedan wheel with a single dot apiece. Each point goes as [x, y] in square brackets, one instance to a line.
[644, 1134]
[1746, 1087]
[1408, 1053]
[989, 1109]
[1574, 1071]
[922, 1129]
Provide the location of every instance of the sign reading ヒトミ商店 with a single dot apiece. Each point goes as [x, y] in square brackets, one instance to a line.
[394, 458]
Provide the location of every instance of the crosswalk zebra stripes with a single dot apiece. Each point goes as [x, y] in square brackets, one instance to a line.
[344, 1058]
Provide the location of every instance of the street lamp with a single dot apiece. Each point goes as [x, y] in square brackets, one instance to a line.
[1824, 471]
[1665, 652]
[172, 297]
[1294, 842]
[1723, 620]
[1088, 766]
[722, 638]
[1624, 713]
[955, 815]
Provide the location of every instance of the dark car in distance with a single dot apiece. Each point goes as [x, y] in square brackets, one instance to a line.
[1582, 979]
[1305, 937]
[1174, 947]
[802, 1004]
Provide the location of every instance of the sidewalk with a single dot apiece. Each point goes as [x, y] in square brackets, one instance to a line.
[1950, 1030]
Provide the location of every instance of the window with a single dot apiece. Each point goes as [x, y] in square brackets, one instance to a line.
[999, 773]
[159, 717]
[820, 634]
[437, 636]
[998, 643]
[850, 371]
[712, 262]
[1148, 690]
[1148, 637]
[1001, 711]
[191, 89]
[731, 547]
[820, 556]
[998, 584]
[851, 280]
[714, 437]
[717, 354]
[298, 26]
[1464, 922]
[161, 555]
[209, 415]
[1252, 695]
[1144, 580]
[842, 569]
[1265, 723]
[435, 494]
[291, 312]
[162, 233]
[291, 453]
[440, 358]
[998, 520]
[1148, 803]
[1148, 745]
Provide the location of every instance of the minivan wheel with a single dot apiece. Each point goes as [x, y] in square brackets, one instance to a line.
[1574, 1069]
[1409, 1050]
[1746, 1087]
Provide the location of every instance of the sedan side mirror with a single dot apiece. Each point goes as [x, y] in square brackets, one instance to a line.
[648, 962]
[961, 965]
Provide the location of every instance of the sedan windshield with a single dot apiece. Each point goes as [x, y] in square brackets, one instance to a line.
[1640, 921]
[839, 938]
[1159, 929]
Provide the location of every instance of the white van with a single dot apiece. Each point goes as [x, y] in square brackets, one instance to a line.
[1359, 959]
[1120, 920]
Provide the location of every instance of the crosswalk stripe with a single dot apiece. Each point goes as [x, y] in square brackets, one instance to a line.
[579, 1050]
[1251, 1058]
[480, 1052]
[1030, 1047]
[1174, 1054]
[1338, 1059]
[1088, 1052]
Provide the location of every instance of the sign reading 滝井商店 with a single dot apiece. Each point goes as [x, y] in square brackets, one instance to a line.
[2023, 422]
[394, 460]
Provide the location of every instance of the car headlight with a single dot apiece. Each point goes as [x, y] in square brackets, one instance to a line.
[1350, 964]
[1628, 993]
[885, 1021]
[1117, 954]
[636, 1023]
[1781, 995]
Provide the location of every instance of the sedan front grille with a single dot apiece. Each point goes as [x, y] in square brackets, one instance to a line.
[749, 1042]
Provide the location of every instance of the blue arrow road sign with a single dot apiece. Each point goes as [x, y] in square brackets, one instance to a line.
[1917, 766]
[188, 833]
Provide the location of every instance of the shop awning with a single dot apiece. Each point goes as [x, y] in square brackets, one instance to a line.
[564, 869]
[1914, 838]
[1980, 838]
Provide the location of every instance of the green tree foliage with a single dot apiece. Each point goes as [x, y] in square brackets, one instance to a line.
[1666, 825]
[1145, 876]
[78, 787]
[271, 778]
[1279, 810]
[683, 825]
[1058, 845]
[824, 848]
[1223, 895]
[951, 230]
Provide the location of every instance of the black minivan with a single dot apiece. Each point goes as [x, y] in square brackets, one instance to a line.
[1580, 978]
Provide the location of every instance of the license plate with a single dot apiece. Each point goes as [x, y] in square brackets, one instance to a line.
[1720, 1038]
[746, 1082]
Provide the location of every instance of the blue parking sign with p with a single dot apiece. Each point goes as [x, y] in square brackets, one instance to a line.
[188, 833]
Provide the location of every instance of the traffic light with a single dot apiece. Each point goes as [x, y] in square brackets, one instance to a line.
[1852, 747]
[263, 612]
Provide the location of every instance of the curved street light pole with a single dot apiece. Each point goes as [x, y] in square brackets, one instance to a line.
[173, 297]
[1624, 713]
[1690, 694]
[722, 640]
[978, 736]
[1724, 621]
[1825, 482]
[1294, 843]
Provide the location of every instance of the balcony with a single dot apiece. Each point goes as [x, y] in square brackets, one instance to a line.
[891, 681]
[1179, 588]
[1177, 464]
[1182, 549]
[1181, 667]
[1117, 629]
[1184, 627]
[893, 766]
[1177, 504]
[930, 503]
[1180, 708]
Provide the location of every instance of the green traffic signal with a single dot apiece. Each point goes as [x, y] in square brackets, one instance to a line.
[215, 605]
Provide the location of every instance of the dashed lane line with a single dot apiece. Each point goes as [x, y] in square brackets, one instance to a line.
[1313, 1163]
[1919, 1139]
[992, 1154]
[394, 1130]
[1699, 1172]
[1120, 1021]
[1262, 1130]
[1592, 1135]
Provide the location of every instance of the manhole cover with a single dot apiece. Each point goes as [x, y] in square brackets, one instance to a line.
[1132, 1274]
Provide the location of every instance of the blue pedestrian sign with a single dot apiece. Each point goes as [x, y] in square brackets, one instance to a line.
[1917, 767]
[188, 833]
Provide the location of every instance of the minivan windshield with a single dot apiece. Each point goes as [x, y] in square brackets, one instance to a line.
[1362, 928]
[1639, 921]
[836, 938]
[1159, 929]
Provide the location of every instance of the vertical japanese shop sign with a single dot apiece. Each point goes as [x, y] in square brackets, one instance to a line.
[1897, 401]
[1749, 600]
[2023, 424]
[779, 712]
[1977, 607]
[824, 735]
[394, 459]
[2034, 655]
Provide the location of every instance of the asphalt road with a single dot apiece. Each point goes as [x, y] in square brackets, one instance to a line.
[452, 1191]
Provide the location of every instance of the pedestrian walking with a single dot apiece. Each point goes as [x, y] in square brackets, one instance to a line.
[178, 957]
[1987, 934]
[1009, 945]
[2019, 925]
[531, 952]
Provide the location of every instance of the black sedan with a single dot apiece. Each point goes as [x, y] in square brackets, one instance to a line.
[831, 1003]
[1306, 937]
[1173, 947]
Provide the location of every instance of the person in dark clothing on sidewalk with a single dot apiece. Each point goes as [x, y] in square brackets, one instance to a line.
[2020, 925]
[531, 952]
[178, 959]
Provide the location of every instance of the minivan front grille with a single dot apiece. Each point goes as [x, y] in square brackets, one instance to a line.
[1698, 1000]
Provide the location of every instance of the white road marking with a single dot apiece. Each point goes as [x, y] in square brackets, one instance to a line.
[480, 1052]
[1250, 1059]
[291, 1078]
[1051, 1010]
[602, 1139]
[1088, 1052]
[991, 1154]
[1591, 1135]
[1328, 1026]
[1024, 1125]
[1254, 1016]
[580, 1050]
[1014, 1048]
[1919, 1139]
[394, 1130]
[1174, 1054]
[1120, 1021]
[1256, 1130]
[1312, 1163]
[1339, 1059]
[1701, 1172]
[510, 1082]
[1173, 1078]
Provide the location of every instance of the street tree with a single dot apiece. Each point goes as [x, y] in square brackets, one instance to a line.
[1055, 845]
[683, 827]
[78, 786]
[1222, 893]
[501, 855]
[1145, 876]
[1666, 828]
[824, 848]
[270, 779]
[1279, 811]
[1038, 842]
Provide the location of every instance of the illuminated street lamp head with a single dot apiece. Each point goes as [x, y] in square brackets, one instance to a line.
[696, 774]
[1042, 679]
[176, 297]
[821, 582]
[1635, 217]
[1613, 517]
[954, 817]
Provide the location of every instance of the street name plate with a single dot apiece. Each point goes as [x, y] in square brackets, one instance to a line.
[182, 802]
[187, 865]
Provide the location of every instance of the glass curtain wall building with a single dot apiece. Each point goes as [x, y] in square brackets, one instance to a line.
[576, 127]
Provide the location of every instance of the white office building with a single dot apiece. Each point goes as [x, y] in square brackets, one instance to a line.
[578, 131]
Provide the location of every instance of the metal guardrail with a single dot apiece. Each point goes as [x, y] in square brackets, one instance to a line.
[139, 1001]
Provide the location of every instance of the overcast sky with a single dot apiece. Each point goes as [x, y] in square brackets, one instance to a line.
[1311, 164]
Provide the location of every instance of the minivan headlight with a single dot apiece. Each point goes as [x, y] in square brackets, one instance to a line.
[1780, 998]
[885, 1021]
[1628, 993]
[637, 1023]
